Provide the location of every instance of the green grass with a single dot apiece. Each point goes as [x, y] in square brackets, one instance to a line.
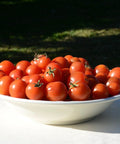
[87, 29]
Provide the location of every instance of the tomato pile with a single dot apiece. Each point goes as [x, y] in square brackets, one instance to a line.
[59, 79]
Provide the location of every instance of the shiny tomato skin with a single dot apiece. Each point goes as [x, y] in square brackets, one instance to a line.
[26, 79]
[7, 66]
[113, 85]
[53, 65]
[77, 66]
[102, 77]
[52, 75]
[33, 69]
[56, 91]
[68, 58]
[100, 91]
[76, 77]
[5, 82]
[43, 62]
[61, 61]
[16, 73]
[34, 78]
[22, 65]
[101, 68]
[17, 89]
[74, 59]
[91, 80]
[80, 92]
[115, 72]
[83, 60]
[2, 73]
[35, 93]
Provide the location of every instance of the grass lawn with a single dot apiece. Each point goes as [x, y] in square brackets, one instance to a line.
[89, 29]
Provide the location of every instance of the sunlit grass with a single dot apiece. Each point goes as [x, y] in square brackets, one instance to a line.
[85, 33]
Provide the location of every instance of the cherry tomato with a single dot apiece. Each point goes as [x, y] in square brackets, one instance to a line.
[101, 68]
[5, 82]
[35, 91]
[91, 80]
[26, 79]
[53, 65]
[7, 66]
[74, 59]
[22, 65]
[56, 91]
[16, 73]
[17, 89]
[115, 72]
[2, 73]
[77, 66]
[76, 77]
[100, 91]
[68, 58]
[36, 58]
[79, 92]
[53, 75]
[43, 62]
[61, 61]
[113, 85]
[113, 79]
[34, 78]
[33, 69]
[102, 77]
[83, 60]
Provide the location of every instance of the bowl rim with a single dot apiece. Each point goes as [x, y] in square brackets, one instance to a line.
[20, 100]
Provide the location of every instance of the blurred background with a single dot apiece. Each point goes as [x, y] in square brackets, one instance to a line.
[84, 28]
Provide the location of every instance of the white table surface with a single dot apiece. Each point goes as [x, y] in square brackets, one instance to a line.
[17, 129]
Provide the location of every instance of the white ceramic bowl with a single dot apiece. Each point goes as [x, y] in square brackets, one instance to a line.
[60, 112]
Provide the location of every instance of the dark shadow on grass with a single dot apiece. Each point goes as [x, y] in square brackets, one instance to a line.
[96, 50]
[41, 18]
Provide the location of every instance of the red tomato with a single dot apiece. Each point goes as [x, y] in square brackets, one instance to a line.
[34, 78]
[91, 80]
[35, 91]
[101, 68]
[74, 59]
[2, 73]
[100, 91]
[77, 66]
[115, 72]
[36, 58]
[22, 65]
[83, 60]
[113, 79]
[113, 85]
[56, 91]
[61, 61]
[102, 77]
[53, 75]
[53, 65]
[43, 62]
[79, 92]
[16, 73]
[17, 89]
[7, 66]
[26, 79]
[76, 77]
[33, 69]
[34, 62]
[68, 58]
[5, 82]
